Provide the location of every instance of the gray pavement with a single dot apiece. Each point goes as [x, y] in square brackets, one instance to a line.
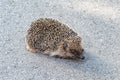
[96, 21]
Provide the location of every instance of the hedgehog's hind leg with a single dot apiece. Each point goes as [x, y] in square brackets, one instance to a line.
[29, 48]
[32, 49]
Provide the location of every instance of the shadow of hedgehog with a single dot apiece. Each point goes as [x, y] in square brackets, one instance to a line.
[49, 36]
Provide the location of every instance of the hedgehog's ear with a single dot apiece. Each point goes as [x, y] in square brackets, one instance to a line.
[65, 45]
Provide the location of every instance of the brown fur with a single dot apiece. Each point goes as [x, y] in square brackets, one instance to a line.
[49, 36]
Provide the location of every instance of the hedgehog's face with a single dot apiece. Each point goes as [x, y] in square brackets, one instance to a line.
[72, 49]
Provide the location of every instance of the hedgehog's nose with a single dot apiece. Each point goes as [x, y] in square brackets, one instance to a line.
[82, 50]
[83, 58]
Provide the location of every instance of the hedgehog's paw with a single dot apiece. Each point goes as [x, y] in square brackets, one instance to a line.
[32, 50]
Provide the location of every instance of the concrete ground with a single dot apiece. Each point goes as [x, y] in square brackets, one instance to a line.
[96, 21]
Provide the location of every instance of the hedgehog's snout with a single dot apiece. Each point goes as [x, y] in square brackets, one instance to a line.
[83, 57]
[77, 54]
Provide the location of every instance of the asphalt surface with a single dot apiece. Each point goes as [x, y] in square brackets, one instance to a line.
[96, 21]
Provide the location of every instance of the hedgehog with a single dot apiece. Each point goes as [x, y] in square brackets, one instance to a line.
[51, 37]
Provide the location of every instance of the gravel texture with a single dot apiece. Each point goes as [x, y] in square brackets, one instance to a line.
[96, 21]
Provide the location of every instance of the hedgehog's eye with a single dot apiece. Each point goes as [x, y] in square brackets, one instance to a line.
[73, 51]
[65, 46]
